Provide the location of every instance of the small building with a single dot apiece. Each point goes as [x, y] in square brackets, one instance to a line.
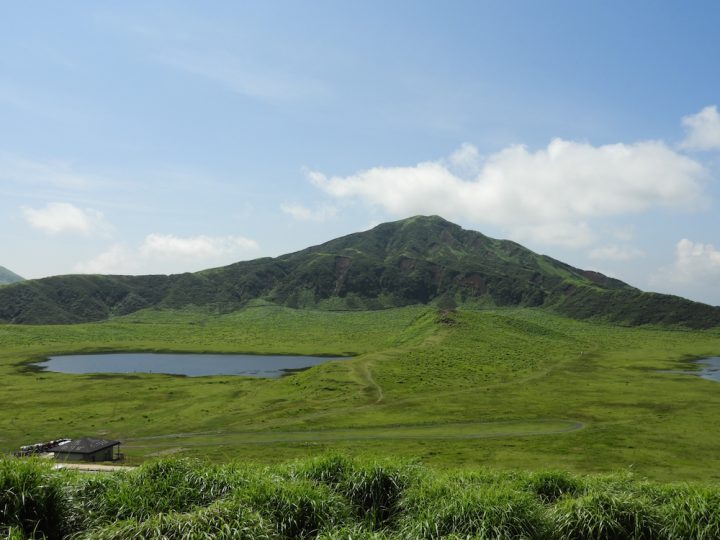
[87, 449]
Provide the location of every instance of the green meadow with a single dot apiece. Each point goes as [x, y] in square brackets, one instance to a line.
[506, 389]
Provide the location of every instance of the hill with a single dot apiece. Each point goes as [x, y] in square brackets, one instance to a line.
[6, 276]
[419, 260]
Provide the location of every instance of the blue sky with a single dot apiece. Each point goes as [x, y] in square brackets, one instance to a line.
[159, 137]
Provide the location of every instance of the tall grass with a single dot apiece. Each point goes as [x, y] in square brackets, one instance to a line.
[223, 520]
[32, 503]
[607, 516]
[171, 485]
[373, 489]
[337, 498]
[437, 509]
[693, 513]
[298, 509]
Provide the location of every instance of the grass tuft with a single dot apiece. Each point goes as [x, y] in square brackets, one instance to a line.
[31, 499]
[374, 489]
[439, 509]
[607, 516]
[224, 520]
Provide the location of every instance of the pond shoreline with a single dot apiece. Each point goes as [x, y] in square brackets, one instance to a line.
[182, 364]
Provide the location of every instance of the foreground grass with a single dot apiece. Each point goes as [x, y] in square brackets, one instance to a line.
[503, 388]
[335, 497]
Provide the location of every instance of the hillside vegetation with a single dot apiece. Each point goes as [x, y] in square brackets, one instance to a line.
[420, 260]
[335, 498]
[7, 277]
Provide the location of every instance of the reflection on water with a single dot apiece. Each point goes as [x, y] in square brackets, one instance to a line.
[192, 365]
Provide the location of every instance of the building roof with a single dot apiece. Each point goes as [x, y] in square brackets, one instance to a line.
[86, 445]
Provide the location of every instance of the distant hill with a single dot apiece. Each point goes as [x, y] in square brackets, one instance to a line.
[6, 276]
[419, 260]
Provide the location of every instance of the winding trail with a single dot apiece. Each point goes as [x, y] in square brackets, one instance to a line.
[367, 375]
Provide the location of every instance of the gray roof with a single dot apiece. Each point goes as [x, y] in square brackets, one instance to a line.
[86, 445]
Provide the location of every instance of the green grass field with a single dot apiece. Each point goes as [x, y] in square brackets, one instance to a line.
[507, 389]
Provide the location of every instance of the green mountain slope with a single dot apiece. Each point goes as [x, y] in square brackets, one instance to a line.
[6, 276]
[413, 261]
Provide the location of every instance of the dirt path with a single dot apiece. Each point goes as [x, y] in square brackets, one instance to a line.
[92, 467]
[367, 374]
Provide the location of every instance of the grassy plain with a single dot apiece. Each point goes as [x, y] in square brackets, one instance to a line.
[506, 388]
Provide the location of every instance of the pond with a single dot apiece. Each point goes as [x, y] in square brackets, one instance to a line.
[709, 369]
[191, 365]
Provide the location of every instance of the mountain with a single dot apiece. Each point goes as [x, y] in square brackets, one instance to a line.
[6, 276]
[419, 260]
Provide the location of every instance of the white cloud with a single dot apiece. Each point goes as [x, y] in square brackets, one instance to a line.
[167, 253]
[58, 217]
[116, 260]
[703, 130]
[466, 160]
[694, 274]
[171, 246]
[696, 262]
[303, 213]
[623, 234]
[614, 252]
[548, 195]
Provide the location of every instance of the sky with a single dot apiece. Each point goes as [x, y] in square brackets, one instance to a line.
[164, 137]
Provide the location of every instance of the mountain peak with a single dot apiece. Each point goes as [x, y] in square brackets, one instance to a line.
[417, 260]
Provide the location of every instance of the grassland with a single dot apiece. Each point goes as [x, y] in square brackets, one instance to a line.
[505, 388]
[336, 498]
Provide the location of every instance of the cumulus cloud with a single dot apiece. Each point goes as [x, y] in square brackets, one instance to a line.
[466, 160]
[119, 259]
[614, 252]
[167, 253]
[58, 217]
[703, 130]
[171, 246]
[548, 195]
[303, 213]
[696, 262]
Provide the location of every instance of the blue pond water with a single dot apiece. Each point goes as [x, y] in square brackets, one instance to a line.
[709, 369]
[191, 365]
